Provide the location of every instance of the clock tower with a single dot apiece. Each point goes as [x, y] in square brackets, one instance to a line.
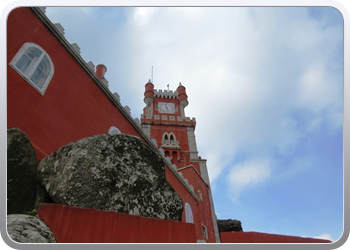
[164, 121]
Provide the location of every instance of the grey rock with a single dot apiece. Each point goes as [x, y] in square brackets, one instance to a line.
[28, 229]
[230, 225]
[21, 172]
[113, 173]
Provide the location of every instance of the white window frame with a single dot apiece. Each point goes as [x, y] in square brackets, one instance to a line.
[204, 231]
[114, 131]
[33, 66]
[189, 214]
[166, 139]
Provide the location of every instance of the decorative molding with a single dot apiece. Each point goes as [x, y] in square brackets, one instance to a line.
[154, 142]
[166, 94]
[43, 9]
[105, 82]
[117, 97]
[127, 108]
[76, 47]
[91, 65]
[60, 28]
[137, 120]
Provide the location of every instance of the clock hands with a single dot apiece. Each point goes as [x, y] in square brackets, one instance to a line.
[167, 107]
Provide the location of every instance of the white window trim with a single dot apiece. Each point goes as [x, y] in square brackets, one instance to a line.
[168, 141]
[33, 66]
[112, 129]
[189, 214]
[205, 233]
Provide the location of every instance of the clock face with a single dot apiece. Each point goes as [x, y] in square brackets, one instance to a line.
[165, 107]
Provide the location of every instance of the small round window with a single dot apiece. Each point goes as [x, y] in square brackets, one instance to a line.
[114, 131]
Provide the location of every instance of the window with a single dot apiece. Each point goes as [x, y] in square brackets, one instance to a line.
[174, 156]
[205, 231]
[189, 215]
[169, 139]
[166, 140]
[114, 131]
[35, 65]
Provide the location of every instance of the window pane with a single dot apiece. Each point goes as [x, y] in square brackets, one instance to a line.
[189, 215]
[41, 72]
[23, 63]
[33, 53]
[30, 55]
[38, 77]
[44, 65]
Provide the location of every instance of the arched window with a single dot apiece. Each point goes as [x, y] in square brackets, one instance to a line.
[166, 139]
[166, 153]
[174, 156]
[35, 65]
[169, 139]
[114, 131]
[189, 215]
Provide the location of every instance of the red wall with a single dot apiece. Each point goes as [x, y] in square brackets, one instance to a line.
[73, 106]
[82, 225]
[203, 206]
[254, 237]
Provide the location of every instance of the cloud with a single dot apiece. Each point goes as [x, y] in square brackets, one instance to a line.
[325, 236]
[248, 175]
[247, 72]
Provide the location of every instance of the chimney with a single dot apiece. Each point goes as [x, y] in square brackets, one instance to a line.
[101, 71]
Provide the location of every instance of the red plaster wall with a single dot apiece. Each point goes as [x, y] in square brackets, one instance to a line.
[254, 237]
[200, 210]
[203, 207]
[73, 106]
[82, 225]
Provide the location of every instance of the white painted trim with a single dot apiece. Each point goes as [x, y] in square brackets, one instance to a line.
[33, 66]
[189, 214]
[114, 131]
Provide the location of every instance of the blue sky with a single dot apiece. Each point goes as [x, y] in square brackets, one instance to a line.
[265, 85]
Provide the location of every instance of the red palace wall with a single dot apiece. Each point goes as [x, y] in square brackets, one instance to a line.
[73, 106]
[201, 210]
[82, 225]
[254, 237]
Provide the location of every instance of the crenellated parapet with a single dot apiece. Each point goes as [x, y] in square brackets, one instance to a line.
[166, 94]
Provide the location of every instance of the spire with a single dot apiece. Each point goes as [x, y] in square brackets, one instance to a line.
[149, 93]
[180, 84]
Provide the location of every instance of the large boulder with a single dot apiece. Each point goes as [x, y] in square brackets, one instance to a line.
[110, 172]
[28, 229]
[230, 225]
[21, 172]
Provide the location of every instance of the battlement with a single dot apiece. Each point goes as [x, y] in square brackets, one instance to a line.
[166, 94]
